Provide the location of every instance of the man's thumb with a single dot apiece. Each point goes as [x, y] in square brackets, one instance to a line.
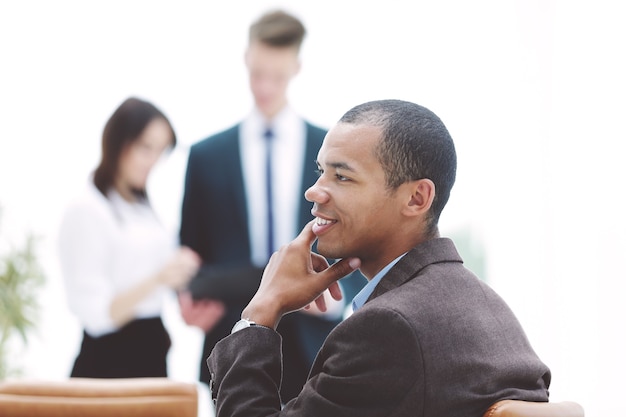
[342, 268]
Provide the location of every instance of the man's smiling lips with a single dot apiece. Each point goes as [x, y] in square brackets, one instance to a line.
[321, 225]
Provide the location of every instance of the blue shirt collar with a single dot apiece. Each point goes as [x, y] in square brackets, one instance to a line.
[366, 291]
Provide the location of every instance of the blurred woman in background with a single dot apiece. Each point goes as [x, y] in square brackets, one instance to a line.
[117, 259]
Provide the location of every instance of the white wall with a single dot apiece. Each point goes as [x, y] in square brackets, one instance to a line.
[532, 92]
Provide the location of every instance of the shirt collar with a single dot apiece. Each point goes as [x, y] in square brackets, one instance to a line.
[283, 121]
[366, 291]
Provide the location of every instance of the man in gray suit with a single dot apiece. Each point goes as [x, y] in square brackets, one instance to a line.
[427, 337]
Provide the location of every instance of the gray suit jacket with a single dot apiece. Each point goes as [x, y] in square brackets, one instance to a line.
[432, 341]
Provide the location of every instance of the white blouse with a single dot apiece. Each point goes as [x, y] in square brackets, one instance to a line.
[107, 246]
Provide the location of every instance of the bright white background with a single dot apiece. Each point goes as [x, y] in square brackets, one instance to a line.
[532, 91]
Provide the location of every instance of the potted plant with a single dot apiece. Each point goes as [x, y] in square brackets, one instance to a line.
[20, 279]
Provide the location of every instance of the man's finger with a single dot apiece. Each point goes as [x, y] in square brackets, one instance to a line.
[319, 262]
[306, 234]
[335, 291]
[340, 269]
[320, 302]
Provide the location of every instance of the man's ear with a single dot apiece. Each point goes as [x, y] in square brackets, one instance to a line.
[421, 198]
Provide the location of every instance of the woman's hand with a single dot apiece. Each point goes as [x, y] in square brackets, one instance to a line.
[204, 314]
[180, 269]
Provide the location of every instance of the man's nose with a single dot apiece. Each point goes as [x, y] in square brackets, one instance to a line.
[316, 194]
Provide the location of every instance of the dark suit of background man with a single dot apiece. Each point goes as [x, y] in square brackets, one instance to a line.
[225, 215]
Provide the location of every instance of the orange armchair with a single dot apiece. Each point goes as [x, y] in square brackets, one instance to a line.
[515, 408]
[87, 397]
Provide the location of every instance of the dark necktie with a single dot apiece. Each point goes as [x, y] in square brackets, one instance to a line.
[269, 135]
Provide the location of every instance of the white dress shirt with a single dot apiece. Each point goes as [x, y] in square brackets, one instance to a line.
[107, 246]
[288, 150]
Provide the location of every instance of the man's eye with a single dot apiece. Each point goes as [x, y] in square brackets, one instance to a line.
[341, 177]
[319, 172]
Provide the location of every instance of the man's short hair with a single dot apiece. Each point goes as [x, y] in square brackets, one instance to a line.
[415, 144]
[278, 29]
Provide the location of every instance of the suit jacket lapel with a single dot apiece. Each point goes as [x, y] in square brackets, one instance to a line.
[239, 196]
[427, 253]
[313, 144]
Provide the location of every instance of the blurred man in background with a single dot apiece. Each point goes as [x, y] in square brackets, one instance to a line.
[244, 198]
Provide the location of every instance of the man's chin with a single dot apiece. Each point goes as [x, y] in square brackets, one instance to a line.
[329, 253]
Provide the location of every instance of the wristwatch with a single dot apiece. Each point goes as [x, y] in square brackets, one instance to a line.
[242, 324]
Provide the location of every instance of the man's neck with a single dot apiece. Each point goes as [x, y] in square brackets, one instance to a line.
[269, 115]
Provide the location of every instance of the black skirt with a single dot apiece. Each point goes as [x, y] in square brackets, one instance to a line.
[139, 349]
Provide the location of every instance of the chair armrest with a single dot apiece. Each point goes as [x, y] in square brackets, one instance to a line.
[516, 408]
[91, 397]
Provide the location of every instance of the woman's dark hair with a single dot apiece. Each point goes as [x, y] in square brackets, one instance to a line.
[123, 128]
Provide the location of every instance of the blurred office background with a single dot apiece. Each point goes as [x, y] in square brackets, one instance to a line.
[532, 91]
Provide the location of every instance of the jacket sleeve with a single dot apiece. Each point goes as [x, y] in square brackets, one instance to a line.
[84, 249]
[370, 366]
[191, 204]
